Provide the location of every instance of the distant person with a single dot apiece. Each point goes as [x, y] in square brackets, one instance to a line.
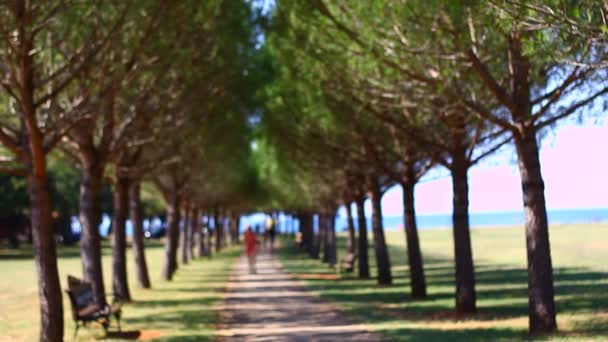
[271, 234]
[269, 227]
[251, 242]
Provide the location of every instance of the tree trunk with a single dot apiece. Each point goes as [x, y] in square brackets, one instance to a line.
[234, 228]
[540, 269]
[45, 256]
[90, 218]
[465, 272]
[305, 226]
[226, 229]
[332, 253]
[324, 227]
[351, 247]
[199, 238]
[414, 256]
[219, 230]
[207, 243]
[237, 231]
[185, 234]
[228, 238]
[363, 245]
[143, 279]
[43, 237]
[383, 262]
[171, 242]
[194, 230]
[318, 244]
[120, 283]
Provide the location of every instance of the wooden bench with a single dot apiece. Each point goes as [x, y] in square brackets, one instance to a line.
[85, 309]
[347, 264]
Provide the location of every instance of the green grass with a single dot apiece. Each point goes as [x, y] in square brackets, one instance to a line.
[581, 284]
[180, 310]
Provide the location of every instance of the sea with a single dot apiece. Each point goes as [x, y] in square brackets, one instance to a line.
[477, 220]
[491, 219]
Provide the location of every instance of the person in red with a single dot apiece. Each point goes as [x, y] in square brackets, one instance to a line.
[251, 246]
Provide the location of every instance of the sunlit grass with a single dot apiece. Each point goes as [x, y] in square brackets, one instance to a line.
[180, 310]
[581, 282]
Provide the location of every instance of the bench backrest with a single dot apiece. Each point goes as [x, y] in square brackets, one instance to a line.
[81, 294]
[350, 258]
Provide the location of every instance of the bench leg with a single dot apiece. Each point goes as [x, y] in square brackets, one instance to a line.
[118, 322]
[105, 324]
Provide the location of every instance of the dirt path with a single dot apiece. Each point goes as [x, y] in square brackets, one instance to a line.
[273, 306]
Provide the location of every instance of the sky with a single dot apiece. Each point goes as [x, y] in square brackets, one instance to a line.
[574, 166]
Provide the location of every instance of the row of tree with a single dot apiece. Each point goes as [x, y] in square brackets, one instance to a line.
[370, 94]
[127, 92]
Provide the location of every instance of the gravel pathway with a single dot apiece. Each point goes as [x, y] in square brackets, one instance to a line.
[273, 306]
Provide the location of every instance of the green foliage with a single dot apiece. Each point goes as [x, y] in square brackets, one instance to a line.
[14, 195]
[65, 185]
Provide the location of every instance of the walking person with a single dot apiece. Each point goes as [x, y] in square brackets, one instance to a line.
[271, 234]
[268, 234]
[251, 242]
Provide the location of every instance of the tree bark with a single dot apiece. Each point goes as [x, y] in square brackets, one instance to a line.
[194, 232]
[383, 262]
[351, 246]
[324, 227]
[318, 244]
[90, 218]
[363, 245]
[185, 234]
[237, 231]
[207, 243]
[414, 255]
[219, 230]
[43, 237]
[45, 256]
[199, 241]
[226, 241]
[120, 283]
[332, 253]
[540, 269]
[143, 278]
[171, 242]
[463, 256]
[234, 228]
[305, 227]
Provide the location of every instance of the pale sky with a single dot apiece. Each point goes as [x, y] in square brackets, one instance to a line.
[574, 165]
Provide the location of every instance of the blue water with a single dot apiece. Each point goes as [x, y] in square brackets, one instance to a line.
[493, 219]
[426, 221]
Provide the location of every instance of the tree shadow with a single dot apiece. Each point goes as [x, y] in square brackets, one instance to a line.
[26, 252]
[501, 291]
[122, 335]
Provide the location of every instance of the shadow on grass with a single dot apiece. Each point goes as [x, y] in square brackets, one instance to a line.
[501, 290]
[25, 251]
[185, 308]
[123, 335]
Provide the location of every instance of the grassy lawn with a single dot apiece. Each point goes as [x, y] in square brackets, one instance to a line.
[181, 310]
[581, 284]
